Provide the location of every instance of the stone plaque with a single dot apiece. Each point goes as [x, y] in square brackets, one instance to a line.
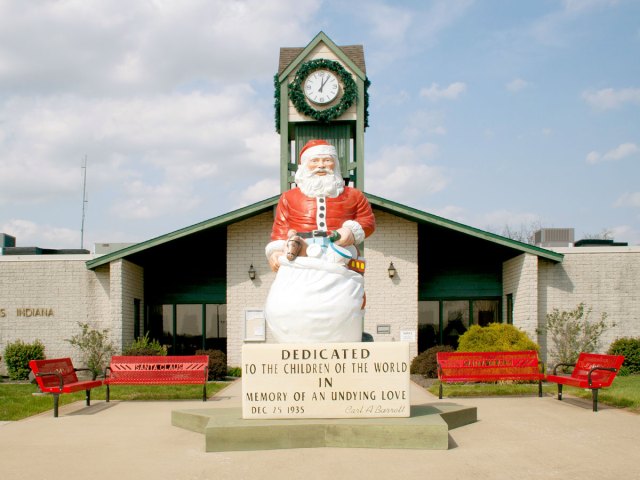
[333, 380]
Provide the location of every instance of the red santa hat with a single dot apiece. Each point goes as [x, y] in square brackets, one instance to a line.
[315, 148]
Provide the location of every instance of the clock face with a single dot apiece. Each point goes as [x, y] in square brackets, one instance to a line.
[321, 87]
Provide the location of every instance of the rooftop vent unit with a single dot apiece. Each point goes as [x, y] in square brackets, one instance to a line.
[7, 240]
[554, 237]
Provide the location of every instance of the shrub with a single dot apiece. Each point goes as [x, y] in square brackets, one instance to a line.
[234, 372]
[95, 347]
[17, 356]
[426, 363]
[495, 337]
[572, 332]
[630, 348]
[217, 363]
[142, 347]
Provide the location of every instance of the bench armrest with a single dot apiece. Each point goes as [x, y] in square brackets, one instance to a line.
[555, 368]
[56, 374]
[608, 369]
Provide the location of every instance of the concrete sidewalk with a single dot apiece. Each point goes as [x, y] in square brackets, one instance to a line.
[515, 438]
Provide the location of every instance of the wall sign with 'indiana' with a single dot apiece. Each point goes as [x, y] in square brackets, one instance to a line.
[341, 380]
[29, 312]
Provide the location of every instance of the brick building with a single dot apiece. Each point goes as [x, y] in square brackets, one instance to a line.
[191, 289]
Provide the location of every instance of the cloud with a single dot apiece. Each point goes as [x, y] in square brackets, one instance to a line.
[435, 93]
[609, 98]
[421, 123]
[580, 6]
[101, 47]
[401, 172]
[181, 139]
[398, 31]
[517, 84]
[628, 200]
[621, 151]
[498, 219]
[260, 190]
[30, 234]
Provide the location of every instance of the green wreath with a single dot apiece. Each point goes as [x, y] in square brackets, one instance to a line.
[297, 97]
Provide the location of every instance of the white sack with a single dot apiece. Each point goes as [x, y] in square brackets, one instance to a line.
[314, 301]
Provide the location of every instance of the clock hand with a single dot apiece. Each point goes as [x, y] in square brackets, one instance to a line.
[322, 84]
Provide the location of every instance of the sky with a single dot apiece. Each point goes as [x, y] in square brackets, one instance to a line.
[493, 113]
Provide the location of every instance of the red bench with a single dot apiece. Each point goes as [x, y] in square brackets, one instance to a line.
[158, 370]
[462, 367]
[57, 376]
[592, 370]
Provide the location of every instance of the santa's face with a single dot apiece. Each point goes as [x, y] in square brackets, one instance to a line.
[321, 165]
[318, 177]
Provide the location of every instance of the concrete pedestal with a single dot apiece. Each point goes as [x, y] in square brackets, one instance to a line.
[427, 428]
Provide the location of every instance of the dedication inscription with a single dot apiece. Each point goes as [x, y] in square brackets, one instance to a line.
[327, 380]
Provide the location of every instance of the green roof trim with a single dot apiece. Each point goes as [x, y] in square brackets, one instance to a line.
[424, 217]
[321, 37]
[383, 204]
[226, 219]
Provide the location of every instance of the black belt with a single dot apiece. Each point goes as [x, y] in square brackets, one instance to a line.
[314, 233]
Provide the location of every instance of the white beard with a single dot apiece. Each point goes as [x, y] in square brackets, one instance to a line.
[312, 185]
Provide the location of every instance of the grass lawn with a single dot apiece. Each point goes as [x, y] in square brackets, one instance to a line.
[17, 400]
[624, 392]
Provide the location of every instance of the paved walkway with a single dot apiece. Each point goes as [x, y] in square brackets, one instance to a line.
[515, 438]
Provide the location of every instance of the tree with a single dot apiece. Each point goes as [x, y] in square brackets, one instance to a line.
[572, 332]
[95, 347]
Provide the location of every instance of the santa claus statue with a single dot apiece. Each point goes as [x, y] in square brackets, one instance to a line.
[318, 293]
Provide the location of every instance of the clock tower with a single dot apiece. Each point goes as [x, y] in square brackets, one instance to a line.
[321, 93]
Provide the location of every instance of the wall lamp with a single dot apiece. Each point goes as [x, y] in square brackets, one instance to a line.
[392, 270]
[252, 272]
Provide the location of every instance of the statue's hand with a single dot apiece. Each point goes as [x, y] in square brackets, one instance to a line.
[273, 260]
[296, 247]
[346, 237]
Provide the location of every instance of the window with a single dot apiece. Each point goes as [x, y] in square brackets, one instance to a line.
[485, 312]
[186, 328]
[510, 308]
[441, 322]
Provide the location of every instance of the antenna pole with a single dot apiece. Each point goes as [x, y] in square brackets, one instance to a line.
[84, 200]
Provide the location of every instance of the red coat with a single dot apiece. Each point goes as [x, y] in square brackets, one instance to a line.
[297, 211]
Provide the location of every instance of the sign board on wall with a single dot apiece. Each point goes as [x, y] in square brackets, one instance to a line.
[254, 326]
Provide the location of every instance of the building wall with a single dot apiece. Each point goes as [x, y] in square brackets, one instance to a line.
[520, 278]
[607, 279]
[394, 301]
[245, 246]
[60, 285]
[131, 287]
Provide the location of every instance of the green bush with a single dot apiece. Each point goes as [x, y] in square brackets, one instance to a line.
[630, 348]
[17, 356]
[426, 363]
[495, 337]
[234, 372]
[217, 363]
[142, 347]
